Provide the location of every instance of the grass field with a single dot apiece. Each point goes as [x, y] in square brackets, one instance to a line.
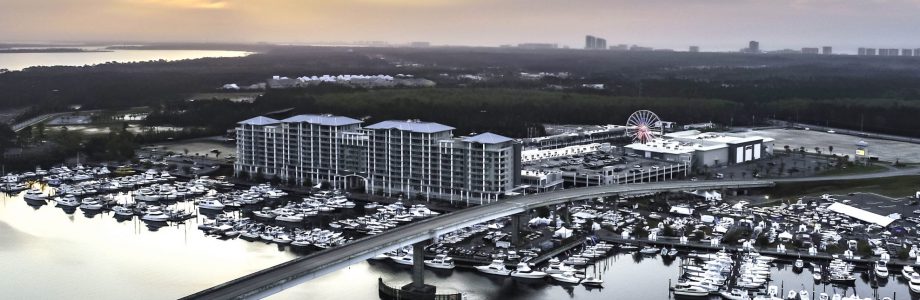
[858, 169]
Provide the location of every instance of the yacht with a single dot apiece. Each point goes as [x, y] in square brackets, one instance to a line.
[91, 204]
[497, 267]
[567, 277]
[803, 294]
[816, 273]
[403, 260]
[147, 195]
[799, 264]
[372, 205]
[907, 271]
[289, 216]
[440, 261]
[914, 283]
[123, 211]
[67, 200]
[212, 204]
[881, 269]
[35, 195]
[557, 267]
[591, 281]
[735, 294]
[649, 250]
[265, 213]
[691, 291]
[154, 214]
[523, 271]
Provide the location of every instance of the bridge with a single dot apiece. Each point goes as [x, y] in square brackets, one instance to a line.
[285, 275]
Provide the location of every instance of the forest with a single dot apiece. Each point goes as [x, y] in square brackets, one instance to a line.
[684, 87]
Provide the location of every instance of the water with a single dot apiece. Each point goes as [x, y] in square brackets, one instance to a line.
[19, 61]
[58, 255]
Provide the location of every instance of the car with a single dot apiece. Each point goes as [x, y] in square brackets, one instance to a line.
[637, 166]
[720, 175]
[693, 179]
[655, 167]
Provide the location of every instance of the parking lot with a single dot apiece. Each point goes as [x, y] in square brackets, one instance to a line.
[843, 144]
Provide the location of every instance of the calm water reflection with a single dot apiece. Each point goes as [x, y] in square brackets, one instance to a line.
[46, 252]
[19, 61]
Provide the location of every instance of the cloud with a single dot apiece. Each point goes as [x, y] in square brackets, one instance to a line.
[189, 4]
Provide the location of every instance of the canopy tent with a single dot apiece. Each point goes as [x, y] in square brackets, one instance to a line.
[860, 214]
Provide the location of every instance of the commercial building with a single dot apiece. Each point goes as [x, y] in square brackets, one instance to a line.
[538, 46]
[600, 44]
[410, 158]
[576, 135]
[705, 149]
[694, 49]
[827, 50]
[907, 52]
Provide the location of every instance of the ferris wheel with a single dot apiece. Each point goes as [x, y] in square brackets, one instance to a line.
[643, 126]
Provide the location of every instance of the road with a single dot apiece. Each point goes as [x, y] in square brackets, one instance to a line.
[275, 279]
[883, 174]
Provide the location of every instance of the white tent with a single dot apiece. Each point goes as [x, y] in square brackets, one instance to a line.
[682, 210]
[860, 214]
[562, 233]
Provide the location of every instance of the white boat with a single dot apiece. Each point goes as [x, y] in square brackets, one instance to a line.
[816, 273]
[799, 264]
[907, 271]
[648, 250]
[735, 294]
[154, 214]
[881, 269]
[35, 195]
[497, 267]
[146, 195]
[803, 294]
[67, 200]
[823, 296]
[523, 271]
[691, 291]
[792, 295]
[591, 281]
[123, 211]
[914, 283]
[557, 267]
[91, 204]
[212, 204]
[440, 261]
[567, 277]
[289, 216]
[403, 260]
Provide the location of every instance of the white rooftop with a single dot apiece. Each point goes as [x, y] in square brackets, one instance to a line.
[260, 120]
[860, 214]
[413, 126]
[487, 138]
[327, 120]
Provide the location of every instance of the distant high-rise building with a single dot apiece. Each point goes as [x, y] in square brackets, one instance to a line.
[907, 52]
[810, 50]
[754, 47]
[590, 42]
[870, 51]
[827, 50]
[620, 47]
[419, 44]
[917, 52]
[694, 49]
[861, 51]
[600, 44]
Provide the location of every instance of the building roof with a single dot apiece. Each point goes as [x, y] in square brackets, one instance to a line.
[413, 126]
[326, 120]
[260, 120]
[860, 214]
[487, 138]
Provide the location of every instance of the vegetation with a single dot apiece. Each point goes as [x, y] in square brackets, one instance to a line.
[900, 186]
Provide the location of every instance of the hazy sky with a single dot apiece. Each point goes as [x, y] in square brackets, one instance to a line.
[723, 24]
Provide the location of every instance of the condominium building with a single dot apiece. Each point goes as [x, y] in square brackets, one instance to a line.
[411, 158]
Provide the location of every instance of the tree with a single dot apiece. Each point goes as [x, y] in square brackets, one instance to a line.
[788, 150]
[830, 149]
[185, 151]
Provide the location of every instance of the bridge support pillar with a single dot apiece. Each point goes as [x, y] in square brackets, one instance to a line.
[516, 229]
[418, 265]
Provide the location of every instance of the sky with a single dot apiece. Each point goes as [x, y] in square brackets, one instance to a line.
[711, 24]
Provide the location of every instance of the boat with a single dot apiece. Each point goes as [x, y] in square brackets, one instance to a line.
[823, 296]
[557, 267]
[628, 247]
[147, 195]
[497, 267]
[649, 250]
[691, 291]
[34, 195]
[803, 294]
[212, 204]
[67, 200]
[735, 294]
[914, 283]
[799, 264]
[403, 260]
[792, 295]
[523, 271]
[567, 277]
[593, 282]
[154, 214]
[91, 204]
[907, 271]
[816, 273]
[440, 261]
[881, 269]
[122, 211]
